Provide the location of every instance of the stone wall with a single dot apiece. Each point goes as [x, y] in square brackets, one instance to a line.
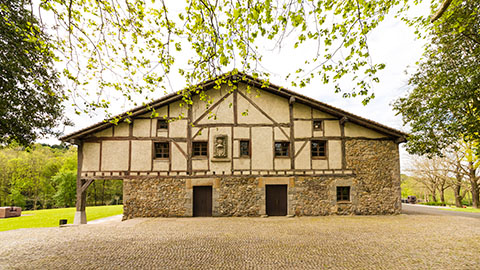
[374, 189]
[154, 197]
[316, 196]
[238, 196]
[377, 167]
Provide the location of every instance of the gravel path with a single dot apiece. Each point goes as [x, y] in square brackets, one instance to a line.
[418, 209]
[333, 242]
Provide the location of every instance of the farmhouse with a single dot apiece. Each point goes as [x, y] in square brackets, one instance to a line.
[255, 150]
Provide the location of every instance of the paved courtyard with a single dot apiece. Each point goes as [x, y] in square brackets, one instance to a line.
[333, 242]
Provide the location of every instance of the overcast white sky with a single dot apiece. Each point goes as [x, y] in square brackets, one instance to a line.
[392, 43]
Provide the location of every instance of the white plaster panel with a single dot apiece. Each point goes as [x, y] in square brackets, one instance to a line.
[279, 135]
[282, 164]
[162, 112]
[262, 148]
[222, 113]
[302, 111]
[236, 148]
[354, 130]
[115, 155]
[317, 133]
[302, 162]
[162, 133]
[141, 156]
[178, 128]
[303, 129]
[275, 106]
[241, 164]
[178, 109]
[335, 154]
[179, 161]
[141, 127]
[160, 164]
[320, 114]
[154, 127]
[200, 164]
[319, 164]
[248, 114]
[91, 156]
[332, 128]
[203, 135]
[122, 130]
[104, 133]
[241, 132]
[222, 166]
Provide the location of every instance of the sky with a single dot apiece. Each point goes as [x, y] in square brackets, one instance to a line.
[392, 43]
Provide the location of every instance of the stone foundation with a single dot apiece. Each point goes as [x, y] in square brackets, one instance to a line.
[146, 197]
[374, 189]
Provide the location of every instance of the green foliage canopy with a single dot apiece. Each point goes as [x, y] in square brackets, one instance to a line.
[133, 46]
[444, 104]
[30, 93]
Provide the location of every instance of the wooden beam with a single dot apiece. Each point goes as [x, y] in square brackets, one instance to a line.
[211, 108]
[257, 107]
[86, 185]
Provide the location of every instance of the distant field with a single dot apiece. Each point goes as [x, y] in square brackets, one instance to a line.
[468, 209]
[51, 217]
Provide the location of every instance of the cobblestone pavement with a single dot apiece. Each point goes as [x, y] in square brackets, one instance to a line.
[332, 242]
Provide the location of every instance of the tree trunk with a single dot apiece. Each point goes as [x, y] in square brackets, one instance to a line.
[434, 195]
[458, 197]
[442, 196]
[103, 193]
[474, 184]
[95, 193]
[475, 194]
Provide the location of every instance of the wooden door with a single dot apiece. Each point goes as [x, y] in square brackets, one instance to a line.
[276, 199]
[202, 201]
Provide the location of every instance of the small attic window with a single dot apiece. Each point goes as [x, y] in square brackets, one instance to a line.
[162, 124]
[317, 124]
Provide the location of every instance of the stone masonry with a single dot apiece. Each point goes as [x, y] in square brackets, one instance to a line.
[374, 189]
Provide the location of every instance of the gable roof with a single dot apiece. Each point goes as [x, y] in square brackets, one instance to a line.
[241, 77]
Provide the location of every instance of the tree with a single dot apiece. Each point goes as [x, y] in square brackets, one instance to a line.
[30, 92]
[133, 47]
[443, 106]
[431, 173]
[66, 181]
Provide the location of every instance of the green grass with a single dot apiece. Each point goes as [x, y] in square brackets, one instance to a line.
[468, 209]
[51, 217]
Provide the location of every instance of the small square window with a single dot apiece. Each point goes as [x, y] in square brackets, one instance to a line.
[282, 149]
[343, 193]
[317, 124]
[200, 149]
[162, 124]
[162, 149]
[244, 148]
[319, 148]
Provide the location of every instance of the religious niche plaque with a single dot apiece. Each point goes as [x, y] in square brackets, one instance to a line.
[220, 149]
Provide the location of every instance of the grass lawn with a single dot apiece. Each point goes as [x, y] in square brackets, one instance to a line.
[468, 209]
[51, 217]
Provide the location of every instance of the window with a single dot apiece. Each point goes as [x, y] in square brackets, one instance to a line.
[282, 149]
[200, 149]
[162, 124]
[319, 148]
[244, 148]
[343, 193]
[317, 124]
[162, 149]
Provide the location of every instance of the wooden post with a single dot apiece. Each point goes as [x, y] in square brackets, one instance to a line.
[80, 215]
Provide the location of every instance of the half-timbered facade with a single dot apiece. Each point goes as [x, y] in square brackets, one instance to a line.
[255, 150]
